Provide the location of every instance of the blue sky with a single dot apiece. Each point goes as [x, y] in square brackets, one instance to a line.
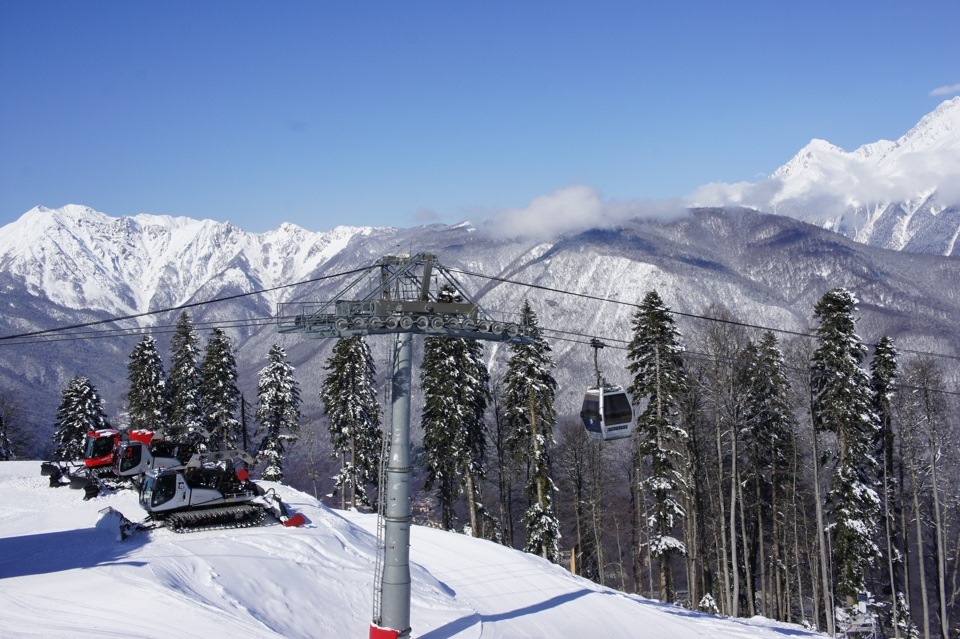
[402, 113]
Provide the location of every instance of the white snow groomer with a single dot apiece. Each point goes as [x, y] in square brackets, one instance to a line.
[209, 493]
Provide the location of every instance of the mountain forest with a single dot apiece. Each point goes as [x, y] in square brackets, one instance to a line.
[768, 472]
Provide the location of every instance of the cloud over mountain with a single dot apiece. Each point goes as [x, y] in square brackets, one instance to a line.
[574, 209]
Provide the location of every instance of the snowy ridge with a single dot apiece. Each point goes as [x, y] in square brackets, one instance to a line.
[81, 258]
[71, 266]
[62, 576]
[903, 195]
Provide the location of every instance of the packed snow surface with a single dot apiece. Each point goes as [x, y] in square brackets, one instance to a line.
[63, 576]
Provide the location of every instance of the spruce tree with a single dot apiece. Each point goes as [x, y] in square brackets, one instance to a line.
[769, 442]
[530, 390]
[883, 377]
[11, 428]
[80, 411]
[350, 403]
[186, 411]
[842, 403]
[148, 399]
[456, 389]
[278, 411]
[218, 388]
[658, 384]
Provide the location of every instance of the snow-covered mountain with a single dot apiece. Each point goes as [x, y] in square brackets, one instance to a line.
[62, 575]
[73, 265]
[79, 258]
[902, 195]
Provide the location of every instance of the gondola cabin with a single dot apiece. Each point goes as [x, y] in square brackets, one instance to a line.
[608, 414]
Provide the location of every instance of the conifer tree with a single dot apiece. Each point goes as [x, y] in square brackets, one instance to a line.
[148, 399]
[530, 390]
[842, 403]
[11, 428]
[883, 376]
[769, 440]
[218, 388]
[278, 411]
[80, 411]
[659, 382]
[186, 411]
[350, 402]
[456, 389]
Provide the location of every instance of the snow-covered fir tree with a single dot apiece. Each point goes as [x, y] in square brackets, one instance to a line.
[278, 411]
[218, 389]
[148, 397]
[883, 377]
[349, 399]
[186, 411]
[529, 393]
[842, 403]
[769, 442]
[654, 356]
[11, 428]
[456, 389]
[80, 411]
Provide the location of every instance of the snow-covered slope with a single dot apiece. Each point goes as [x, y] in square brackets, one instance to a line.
[903, 195]
[62, 576]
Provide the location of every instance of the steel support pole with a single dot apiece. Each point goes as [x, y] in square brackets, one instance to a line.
[395, 601]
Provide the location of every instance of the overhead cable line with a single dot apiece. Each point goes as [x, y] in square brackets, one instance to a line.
[675, 312]
[60, 335]
[181, 307]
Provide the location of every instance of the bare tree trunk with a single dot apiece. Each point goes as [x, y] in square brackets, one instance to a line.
[904, 527]
[623, 577]
[762, 556]
[472, 502]
[728, 602]
[796, 536]
[919, 540]
[597, 471]
[353, 474]
[821, 536]
[343, 489]
[734, 564]
[777, 560]
[748, 573]
[894, 604]
[938, 527]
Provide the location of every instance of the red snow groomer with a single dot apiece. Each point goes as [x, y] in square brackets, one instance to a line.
[98, 452]
[102, 452]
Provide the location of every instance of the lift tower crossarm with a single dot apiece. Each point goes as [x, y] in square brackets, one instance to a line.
[399, 300]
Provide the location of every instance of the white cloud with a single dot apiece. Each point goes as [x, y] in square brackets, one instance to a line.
[573, 209]
[949, 89]
[830, 189]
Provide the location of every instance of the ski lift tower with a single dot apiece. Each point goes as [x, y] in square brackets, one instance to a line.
[397, 295]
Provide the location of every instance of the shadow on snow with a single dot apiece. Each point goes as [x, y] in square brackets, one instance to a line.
[51, 552]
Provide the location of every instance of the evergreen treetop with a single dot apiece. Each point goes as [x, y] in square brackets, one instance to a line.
[148, 397]
[80, 411]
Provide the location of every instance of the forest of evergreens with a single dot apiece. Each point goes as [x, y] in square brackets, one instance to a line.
[768, 474]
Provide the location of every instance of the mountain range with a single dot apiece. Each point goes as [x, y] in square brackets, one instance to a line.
[72, 266]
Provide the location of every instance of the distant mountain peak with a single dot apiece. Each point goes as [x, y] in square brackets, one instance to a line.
[884, 193]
